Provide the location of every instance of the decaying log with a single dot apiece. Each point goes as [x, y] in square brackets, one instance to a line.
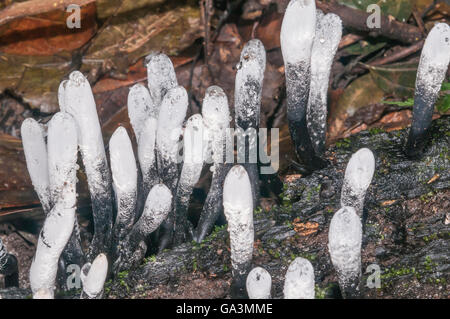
[409, 243]
[406, 227]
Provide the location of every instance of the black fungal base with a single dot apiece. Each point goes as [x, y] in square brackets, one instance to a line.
[424, 102]
[297, 85]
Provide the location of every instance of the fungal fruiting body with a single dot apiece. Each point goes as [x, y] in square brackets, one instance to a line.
[259, 284]
[216, 121]
[143, 113]
[433, 66]
[124, 176]
[358, 176]
[161, 77]
[170, 120]
[35, 149]
[247, 103]
[238, 209]
[156, 209]
[193, 153]
[8, 267]
[93, 277]
[59, 223]
[344, 245]
[326, 42]
[140, 107]
[78, 100]
[299, 280]
[62, 150]
[297, 38]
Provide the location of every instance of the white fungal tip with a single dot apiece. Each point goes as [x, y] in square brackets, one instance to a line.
[436, 49]
[161, 75]
[171, 116]
[344, 243]
[44, 293]
[360, 169]
[193, 140]
[77, 78]
[62, 150]
[94, 281]
[140, 107]
[157, 207]
[35, 149]
[146, 148]
[298, 30]
[215, 110]
[299, 280]
[123, 163]
[62, 95]
[259, 284]
[254, 51]
[237, 191]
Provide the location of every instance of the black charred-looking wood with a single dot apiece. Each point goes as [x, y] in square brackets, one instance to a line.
[298, 78]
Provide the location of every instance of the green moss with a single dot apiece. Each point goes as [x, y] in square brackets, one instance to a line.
[344, 143]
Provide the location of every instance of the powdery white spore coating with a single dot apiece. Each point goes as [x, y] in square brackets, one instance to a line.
[170, 120]
[58, 227]
[215, 109]
[161, 76]
[123, 163]
[326, 42]
[298, 31]
[35, 149]
[299, 280]
[79, 102]
[248, 85]
[157, 207]
[94, 281]
[140, 108]
[238, 208]
[259, 284]
[146, 148]
[62, 152]
[358, 176]
[344, 244]
[193, 137]
[435, 56]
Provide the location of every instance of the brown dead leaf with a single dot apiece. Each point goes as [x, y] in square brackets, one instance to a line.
[47, 33]
[305, 229]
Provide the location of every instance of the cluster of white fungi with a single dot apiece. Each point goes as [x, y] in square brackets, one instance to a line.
[132, 201]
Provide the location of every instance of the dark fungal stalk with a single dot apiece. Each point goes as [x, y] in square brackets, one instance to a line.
[247, 98]
[430, 75]
[216, 119]
[157, 207]
[297, 37]
[8, 267]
